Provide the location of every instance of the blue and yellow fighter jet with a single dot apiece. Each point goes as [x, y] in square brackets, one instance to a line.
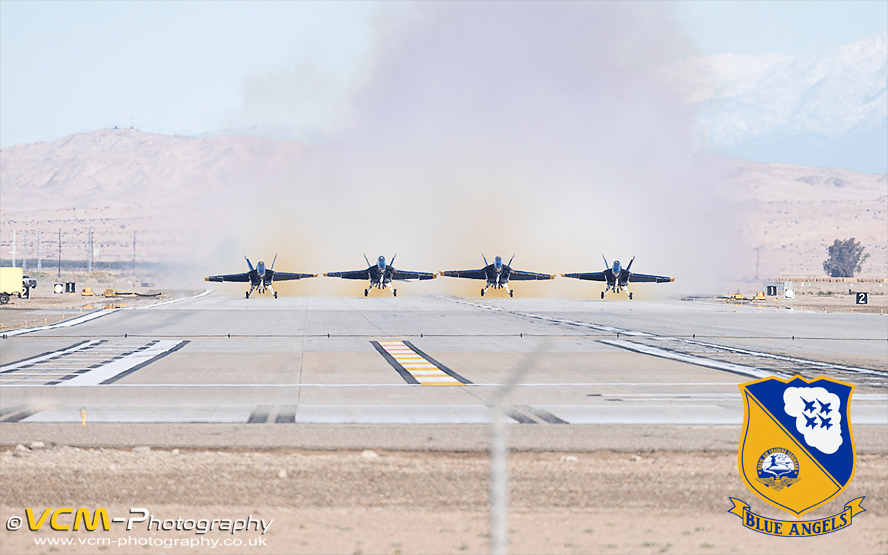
[381, 275]
[618, 278]
[497, 274]
[260, 278]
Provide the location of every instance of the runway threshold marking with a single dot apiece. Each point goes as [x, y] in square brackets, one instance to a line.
[126, 365]
[415, 366]
[48, 356]
[94, 362]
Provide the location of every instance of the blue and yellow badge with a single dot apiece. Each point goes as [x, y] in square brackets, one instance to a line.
[796, 452]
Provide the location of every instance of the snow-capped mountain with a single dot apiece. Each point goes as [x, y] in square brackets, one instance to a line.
[828, 110]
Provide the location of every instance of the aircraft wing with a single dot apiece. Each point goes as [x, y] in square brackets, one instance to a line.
[356, 274]
[469, 274]
[524, 276]
[646, 278]
[591, 276]
[286, 276]
[401, 274]
[230, 277]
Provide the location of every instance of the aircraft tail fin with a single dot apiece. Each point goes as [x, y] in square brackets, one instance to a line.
[510, 260]
[392, 263]
[272, 262]
[248, 263]
[606, 265]
[630, 263]
[485, 259]
[365, 260]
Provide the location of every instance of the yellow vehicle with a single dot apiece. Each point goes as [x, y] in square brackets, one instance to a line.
[10, 283]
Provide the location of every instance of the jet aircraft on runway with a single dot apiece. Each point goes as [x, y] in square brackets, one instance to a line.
[381, 275]
[496, 274]
[618, 278]
[260, 278]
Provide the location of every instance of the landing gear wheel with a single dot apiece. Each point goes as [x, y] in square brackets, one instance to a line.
[275, 294]
[482, 292]
[247, 294]
[395, 292]
[4, 298]
[511, 293]
[366, 291]
[602, 295]
[630, 296]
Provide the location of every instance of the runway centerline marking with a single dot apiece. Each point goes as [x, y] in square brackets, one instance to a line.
[415, 366]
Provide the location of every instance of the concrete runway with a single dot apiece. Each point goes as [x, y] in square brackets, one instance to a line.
[431, 361]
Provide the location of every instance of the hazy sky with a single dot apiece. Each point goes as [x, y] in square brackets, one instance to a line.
[199, 67]
[794, 28]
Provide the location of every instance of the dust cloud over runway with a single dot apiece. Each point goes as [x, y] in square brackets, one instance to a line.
[539, 131]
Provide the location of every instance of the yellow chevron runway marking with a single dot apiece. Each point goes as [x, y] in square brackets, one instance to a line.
[424, 371]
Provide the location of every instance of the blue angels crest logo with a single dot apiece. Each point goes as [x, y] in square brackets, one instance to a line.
[797, 449]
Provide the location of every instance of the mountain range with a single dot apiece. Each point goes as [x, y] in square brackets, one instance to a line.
[829, 110]
[182, 198]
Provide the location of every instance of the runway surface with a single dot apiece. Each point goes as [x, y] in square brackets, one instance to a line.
[430, 360]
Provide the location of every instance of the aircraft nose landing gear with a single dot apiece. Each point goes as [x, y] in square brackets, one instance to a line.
[602, 295]
[366, 291]
[247, 294]
[482, 292]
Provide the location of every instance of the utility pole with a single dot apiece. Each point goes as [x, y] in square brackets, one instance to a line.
[90, 252]
[60, 253]
[13, 252]
[39, 252]
[757, 249]
[25, 250]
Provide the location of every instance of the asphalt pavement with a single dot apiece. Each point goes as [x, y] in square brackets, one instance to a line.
[358, 363]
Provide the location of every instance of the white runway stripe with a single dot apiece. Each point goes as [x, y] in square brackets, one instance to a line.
[49, 356]
[690, 359]
[115, 367]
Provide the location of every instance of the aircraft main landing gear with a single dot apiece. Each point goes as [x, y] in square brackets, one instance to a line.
[602, 295]
[275, 294]
[366, 291]
[482, 292]
[511, 293]
[247, 294]
[630, 296]
[395, 292]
